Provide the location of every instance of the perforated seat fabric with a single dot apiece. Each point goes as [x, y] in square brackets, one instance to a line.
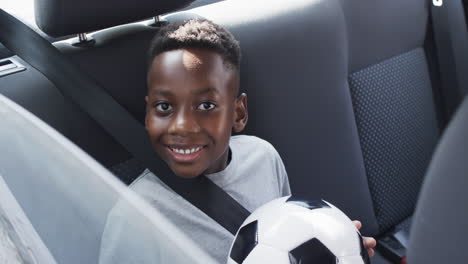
[392, 98]
[398, 131]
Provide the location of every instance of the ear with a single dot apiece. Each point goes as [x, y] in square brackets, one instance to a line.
[241, 114]
[146, 112]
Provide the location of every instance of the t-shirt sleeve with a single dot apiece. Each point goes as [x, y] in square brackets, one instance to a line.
[280, 172]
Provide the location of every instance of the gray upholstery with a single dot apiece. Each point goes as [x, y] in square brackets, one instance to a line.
[198, 3]
[64, 17]
[4, 52]
[392, 98]
[122, 74]
[440, 222]
[381, 29]
[398, 130]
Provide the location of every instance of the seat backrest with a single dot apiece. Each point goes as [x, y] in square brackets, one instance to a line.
[440, 220]
[392, 100]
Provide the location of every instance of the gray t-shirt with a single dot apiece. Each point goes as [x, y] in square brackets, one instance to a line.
[255, 175]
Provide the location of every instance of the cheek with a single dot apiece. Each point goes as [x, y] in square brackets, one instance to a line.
[155, 126]
[219, 125]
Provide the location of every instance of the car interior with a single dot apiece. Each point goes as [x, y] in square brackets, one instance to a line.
[350, 94]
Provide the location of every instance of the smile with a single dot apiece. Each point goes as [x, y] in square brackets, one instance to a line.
[186, 151]
[185, 154]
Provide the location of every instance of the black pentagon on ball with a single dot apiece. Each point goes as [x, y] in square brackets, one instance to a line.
[312, 252]
[364, 254]
[246, 240]
[309, 204]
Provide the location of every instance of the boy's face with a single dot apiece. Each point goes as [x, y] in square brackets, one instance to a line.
[191, 109]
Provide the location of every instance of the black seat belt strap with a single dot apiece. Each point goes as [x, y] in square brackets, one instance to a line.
[394, 243]
[81, 89]
[451, 42]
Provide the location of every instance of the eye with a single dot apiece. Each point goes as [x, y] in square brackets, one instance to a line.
[206, 106]
[163, 107]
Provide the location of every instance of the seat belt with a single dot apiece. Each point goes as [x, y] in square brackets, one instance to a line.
[82, 90]
[394, 243]
[451, 44]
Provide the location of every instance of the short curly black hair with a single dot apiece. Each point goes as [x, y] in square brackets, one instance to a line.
[197, 33]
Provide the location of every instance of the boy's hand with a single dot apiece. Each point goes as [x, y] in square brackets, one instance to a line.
[369, 242]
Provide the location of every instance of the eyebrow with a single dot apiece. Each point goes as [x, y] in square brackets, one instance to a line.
[169, 93]
[160, 92]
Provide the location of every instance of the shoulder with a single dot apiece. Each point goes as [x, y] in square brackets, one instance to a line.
[260, 163]
[251, 143]
[146, 184]
[254, 148]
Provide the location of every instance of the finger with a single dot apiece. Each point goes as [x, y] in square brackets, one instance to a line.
[369, 242]
[357, 224]
[370, 251]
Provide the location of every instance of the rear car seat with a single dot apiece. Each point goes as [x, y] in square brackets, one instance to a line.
[297, 62]
[393, 101]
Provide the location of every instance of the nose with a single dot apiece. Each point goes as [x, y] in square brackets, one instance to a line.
[184, 123]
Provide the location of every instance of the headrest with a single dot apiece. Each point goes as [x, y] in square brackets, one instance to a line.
[65, 17]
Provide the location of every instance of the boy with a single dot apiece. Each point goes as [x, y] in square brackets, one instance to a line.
[192, 107]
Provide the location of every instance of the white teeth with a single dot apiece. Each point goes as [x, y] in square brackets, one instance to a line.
[186, 151]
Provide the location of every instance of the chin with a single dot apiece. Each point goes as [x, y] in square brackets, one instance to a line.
[186, 173]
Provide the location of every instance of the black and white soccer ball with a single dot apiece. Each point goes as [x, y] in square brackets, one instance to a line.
[293, 231]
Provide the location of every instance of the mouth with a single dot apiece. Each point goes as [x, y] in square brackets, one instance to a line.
[185, 154]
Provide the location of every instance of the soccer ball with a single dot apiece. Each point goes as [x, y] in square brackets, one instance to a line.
[292, 231]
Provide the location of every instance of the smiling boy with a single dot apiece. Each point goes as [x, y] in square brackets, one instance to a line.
[192, 107]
